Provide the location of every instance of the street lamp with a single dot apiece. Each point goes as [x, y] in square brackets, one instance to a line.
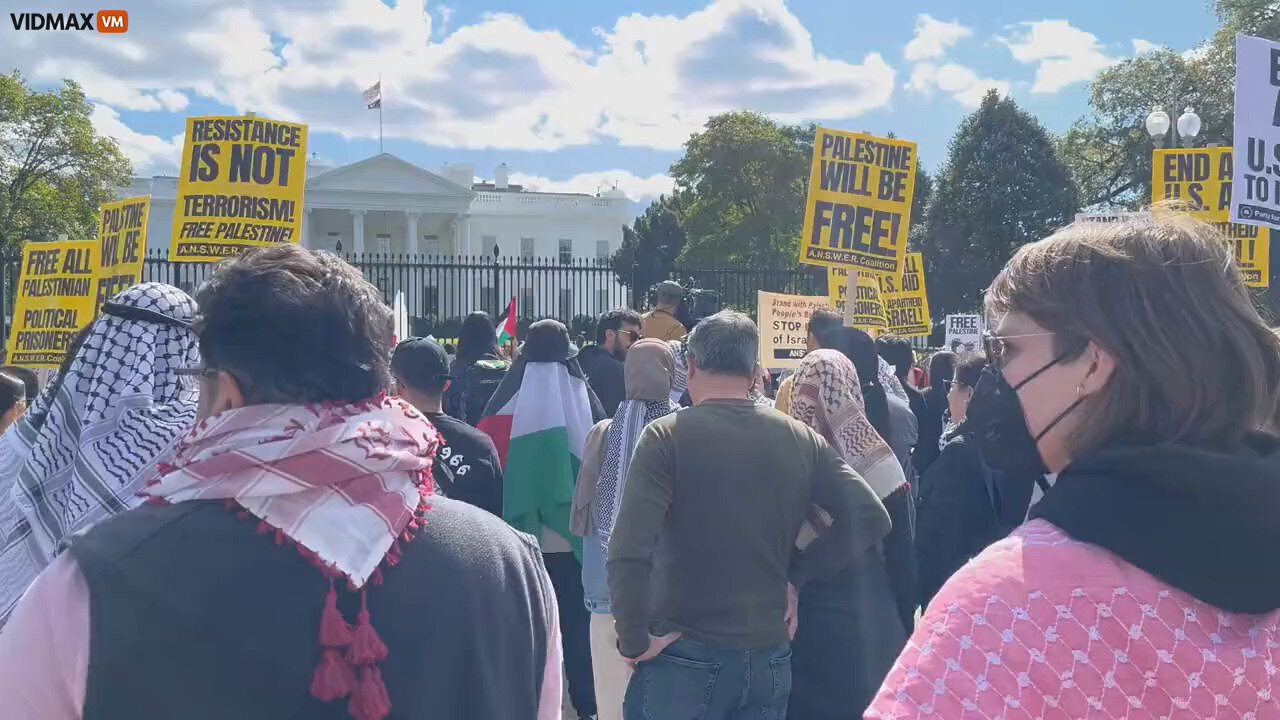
[1158, 124]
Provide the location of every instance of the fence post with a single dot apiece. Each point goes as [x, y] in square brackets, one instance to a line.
[497, 289]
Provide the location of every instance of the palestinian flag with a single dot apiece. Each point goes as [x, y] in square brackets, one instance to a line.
[508, 330]
[538, 418]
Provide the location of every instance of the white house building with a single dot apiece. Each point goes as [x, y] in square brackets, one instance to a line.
[385, 205]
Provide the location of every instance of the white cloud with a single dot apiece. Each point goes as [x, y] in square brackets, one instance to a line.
[1142, 47]
[933, 37]
[639, 189]
[498, 83]
[960, 82]
[150, 155]
[1063, 54]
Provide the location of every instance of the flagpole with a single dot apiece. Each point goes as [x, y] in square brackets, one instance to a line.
[379, 113]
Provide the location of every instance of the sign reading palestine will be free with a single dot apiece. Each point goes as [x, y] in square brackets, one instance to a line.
[858, 207]
[241, 186]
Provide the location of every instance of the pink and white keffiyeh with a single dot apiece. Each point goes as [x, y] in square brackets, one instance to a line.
[342, 481]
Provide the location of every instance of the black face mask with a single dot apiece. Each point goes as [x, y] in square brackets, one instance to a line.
[1000, 427]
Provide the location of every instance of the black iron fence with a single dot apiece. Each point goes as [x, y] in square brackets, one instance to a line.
[438, 291]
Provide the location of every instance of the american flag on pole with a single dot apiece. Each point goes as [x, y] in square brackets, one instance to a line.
[373, 96]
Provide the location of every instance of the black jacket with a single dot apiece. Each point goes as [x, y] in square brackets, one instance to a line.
[1203, 520]
[964, 507]
[929, 424]
[604, 372]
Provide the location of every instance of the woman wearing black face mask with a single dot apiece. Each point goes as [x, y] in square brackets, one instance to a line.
[959, 513]
[1129, 359]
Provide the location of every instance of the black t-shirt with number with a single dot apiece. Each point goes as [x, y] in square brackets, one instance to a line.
[467, 466]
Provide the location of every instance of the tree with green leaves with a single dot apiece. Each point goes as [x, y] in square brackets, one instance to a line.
[744, 179]
[1109, 152]
[1001, 187]
[55, 170]
[651, 245]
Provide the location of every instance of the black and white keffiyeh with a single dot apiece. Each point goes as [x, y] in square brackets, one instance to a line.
[619, 445]
[74, 458]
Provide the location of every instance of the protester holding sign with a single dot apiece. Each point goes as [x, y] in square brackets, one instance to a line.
[73, 458]
[241, 186]
[1154, 550]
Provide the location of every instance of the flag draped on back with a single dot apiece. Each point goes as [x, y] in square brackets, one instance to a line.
[539, 418]
[508, 331]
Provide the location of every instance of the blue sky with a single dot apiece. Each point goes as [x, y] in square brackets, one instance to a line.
[573, 96]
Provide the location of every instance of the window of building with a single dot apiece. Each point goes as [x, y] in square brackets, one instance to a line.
[602, 250]
[431, 301]
[335, 242]
[488, 243]
[566, 304]
[431, 244]
[526, 248]
[384, 243]
[566, 251]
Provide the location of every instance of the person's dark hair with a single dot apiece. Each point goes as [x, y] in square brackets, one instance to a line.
[897, 352]
[615, 319]
[295, 326]
[28, 378]
[861, 351]
[477, 338]
[969, 369]
[942, 369]
[12, 389]
[828, 327]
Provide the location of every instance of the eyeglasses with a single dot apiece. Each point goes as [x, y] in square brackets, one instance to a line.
[631, 334]
[997, 349]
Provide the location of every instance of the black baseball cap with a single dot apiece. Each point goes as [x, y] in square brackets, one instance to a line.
[421, 363]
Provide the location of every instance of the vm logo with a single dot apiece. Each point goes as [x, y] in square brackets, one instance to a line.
[107, 21]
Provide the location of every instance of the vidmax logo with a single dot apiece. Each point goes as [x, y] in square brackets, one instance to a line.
[104, 21]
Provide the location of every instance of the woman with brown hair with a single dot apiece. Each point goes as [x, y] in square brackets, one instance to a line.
[1128, 359]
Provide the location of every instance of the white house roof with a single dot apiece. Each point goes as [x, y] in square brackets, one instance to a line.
[386, 173]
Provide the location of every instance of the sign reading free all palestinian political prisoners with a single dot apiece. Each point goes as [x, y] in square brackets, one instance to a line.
[241, 186]
[865, 309]
[1257, 133]
[122, 239]
[1200, 181]
[858, 208]
[784, 327]
[56, 293]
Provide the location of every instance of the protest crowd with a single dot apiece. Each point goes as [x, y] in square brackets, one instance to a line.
[257, 503]
[264, 500]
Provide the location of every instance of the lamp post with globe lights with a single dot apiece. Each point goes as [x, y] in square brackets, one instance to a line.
[1186, 129]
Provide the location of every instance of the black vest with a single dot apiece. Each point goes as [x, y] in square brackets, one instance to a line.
[194, 616]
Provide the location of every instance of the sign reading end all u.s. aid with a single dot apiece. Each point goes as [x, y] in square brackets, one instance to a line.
[858, 208]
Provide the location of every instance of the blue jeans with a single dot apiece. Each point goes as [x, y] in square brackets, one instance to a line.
[692, 681]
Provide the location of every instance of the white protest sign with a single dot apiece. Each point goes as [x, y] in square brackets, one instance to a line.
[1255, 195]
[964, 333]
[784, 327]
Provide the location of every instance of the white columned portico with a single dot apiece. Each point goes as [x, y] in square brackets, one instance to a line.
[412, 240]
[357, 231]
[305, 240]
[464, 234]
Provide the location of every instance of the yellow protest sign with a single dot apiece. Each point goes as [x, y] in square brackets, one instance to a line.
[858, 207]
[122, 240]
[837, 288]
[241, 185]
[866, 311]
[784, 327]
[906, 306]
[56, 293]
[1199, 180]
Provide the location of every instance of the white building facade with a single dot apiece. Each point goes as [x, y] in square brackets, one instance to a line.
[433, 235]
